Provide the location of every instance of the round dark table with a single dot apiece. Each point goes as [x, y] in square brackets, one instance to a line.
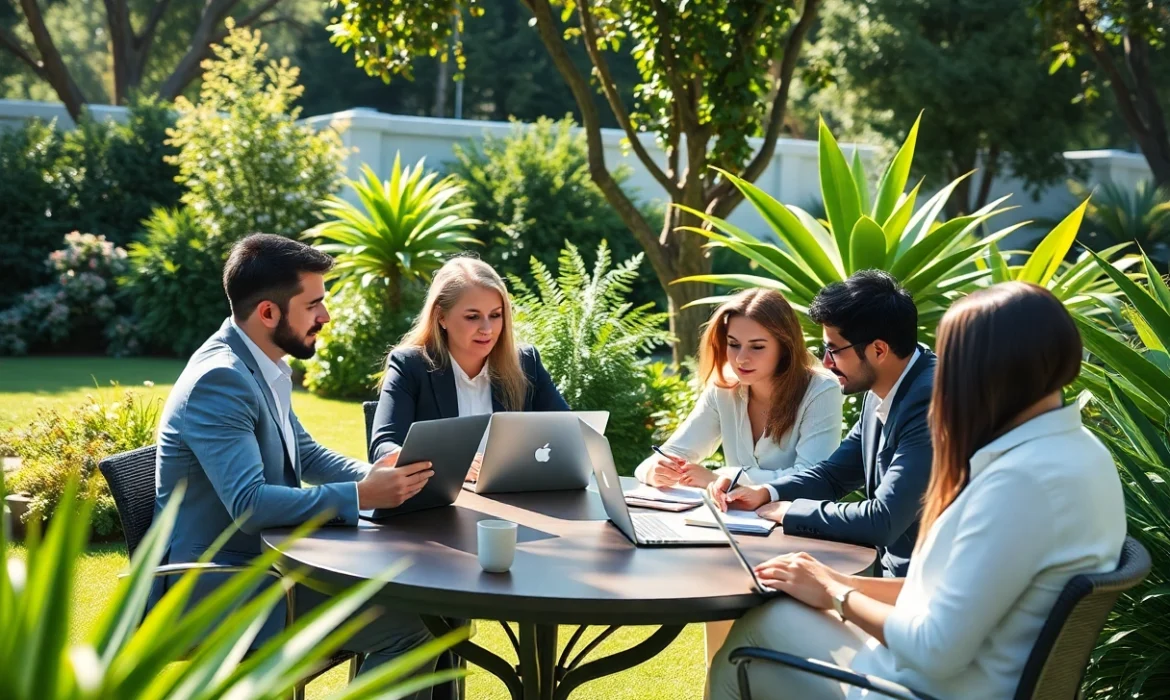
[572, 567]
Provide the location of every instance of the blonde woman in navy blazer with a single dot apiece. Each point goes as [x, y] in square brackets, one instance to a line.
[460, 359]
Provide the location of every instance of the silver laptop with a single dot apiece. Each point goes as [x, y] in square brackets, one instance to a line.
[643, 529]
[537, 451]
[760, 588]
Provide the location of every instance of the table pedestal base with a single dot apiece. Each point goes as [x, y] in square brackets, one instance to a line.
[541, 675]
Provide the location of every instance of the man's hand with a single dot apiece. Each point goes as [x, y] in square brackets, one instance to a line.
[473, 472]
[667, 472]
[740, 498]
[774, 511]
[387, 486]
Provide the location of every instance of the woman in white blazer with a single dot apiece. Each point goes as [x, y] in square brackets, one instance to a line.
[1021, 499]
[765, 399]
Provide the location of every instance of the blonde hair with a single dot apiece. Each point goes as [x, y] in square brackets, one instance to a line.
[454, 278]
[794, 368]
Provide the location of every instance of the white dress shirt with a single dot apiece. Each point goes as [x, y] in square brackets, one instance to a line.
[278, 377]
[474, 394]
[1044, 503]
[721, 416]
[882, 411]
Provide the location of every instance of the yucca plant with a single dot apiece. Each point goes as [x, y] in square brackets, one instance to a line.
[882, 230]
[404, 229]
[1119, 215]
[591, 340]
[1131, 385]
[126, 660]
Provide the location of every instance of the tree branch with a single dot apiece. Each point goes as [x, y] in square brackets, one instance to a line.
[10, 43]
[214, 13]
[609, 88]
[152, 20]
[550, 36]
[1137, 59]
[665, 49]
[725, 197]
[121, 46]
[55, 70]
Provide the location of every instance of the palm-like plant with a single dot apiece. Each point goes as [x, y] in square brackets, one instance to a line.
[1132, 390]
[935, 262]
[1119, 215]
[404, 229]
[127, 660]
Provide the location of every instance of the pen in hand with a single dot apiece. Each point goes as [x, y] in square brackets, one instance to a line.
[722, 497]
[658, 449]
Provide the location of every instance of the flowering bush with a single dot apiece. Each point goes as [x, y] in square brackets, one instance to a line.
[56, 446]
[72, 313]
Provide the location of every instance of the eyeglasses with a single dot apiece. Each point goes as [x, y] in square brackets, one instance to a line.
[825, 351]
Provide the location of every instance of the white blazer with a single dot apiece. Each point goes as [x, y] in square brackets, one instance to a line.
[720, 416]
[1043, 504]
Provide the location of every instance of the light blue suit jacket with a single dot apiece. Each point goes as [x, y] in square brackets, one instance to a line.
[219, 434]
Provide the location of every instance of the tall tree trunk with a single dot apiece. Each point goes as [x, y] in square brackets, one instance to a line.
[688, 259]
[53, 66]
[439, 109]
[987, 173]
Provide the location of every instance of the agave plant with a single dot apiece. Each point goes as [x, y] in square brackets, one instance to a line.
[124, 659]
[1132, 390]
[1084, 285]
[1120, 215]
[404, 229]
[935, 262]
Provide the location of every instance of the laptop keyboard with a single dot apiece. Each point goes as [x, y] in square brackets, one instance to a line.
[651, 528]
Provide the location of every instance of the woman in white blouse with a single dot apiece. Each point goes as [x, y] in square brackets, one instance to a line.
[1021, 499]
[766, 400]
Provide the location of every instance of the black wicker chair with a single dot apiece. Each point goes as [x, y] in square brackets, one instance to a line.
[131, 479]
[456, 690]
[1057, 662]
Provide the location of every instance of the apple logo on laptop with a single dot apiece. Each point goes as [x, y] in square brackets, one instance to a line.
[542, 453]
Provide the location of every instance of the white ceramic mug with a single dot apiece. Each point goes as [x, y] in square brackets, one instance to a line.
[497, 545]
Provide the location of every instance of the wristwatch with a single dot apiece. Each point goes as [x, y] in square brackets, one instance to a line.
[839, 601]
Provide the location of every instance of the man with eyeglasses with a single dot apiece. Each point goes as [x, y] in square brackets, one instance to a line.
[870, 327]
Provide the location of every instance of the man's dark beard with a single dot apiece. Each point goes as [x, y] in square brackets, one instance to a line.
[287, 340]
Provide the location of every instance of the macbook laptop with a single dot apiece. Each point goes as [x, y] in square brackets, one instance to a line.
[449, 444]
[643, 529]
[718, 515]
[537, 451]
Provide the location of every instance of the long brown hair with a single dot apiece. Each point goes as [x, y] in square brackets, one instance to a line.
[455, 277]
[794, 369]
[1000, 351]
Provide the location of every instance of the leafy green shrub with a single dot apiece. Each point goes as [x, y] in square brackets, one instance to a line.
[33, 193]
[591, 339]
[246, 164]
[672, 394]
[57, 446]
[533, 190]
[118, 173]
[352, 347]
[73, 312]
[174, 282]
[102, 177]
[1117, 215]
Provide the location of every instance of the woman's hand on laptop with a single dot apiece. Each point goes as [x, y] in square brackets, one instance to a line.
[387, 486]
[740, 498]
[473, 472]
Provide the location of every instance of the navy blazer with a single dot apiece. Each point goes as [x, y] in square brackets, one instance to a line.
[413, 390]
[894, 477]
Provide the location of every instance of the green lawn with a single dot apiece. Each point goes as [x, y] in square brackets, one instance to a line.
[27, 384]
